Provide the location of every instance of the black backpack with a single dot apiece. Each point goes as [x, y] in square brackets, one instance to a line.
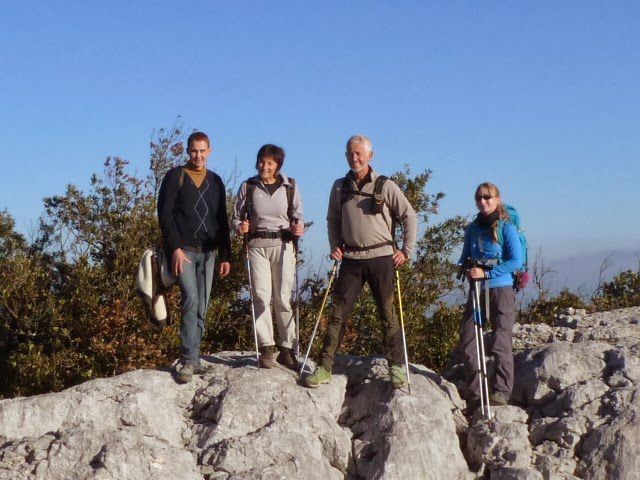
[378, 203]
[378, 200]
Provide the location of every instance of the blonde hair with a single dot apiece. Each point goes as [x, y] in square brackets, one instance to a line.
[491, 189]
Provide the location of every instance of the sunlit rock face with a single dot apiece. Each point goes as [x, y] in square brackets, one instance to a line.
[573, 414]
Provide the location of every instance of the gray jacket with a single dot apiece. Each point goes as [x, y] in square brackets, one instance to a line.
[269, 212]
[353, 223]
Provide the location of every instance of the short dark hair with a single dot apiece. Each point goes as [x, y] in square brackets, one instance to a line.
[197, 137]
[273, 151]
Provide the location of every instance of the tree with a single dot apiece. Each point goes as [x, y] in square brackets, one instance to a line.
[622, 291]
[69, 311]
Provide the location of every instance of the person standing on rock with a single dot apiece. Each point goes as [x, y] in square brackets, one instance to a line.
[363, 209]
[268, 210]
[193, 218]
[491, 240]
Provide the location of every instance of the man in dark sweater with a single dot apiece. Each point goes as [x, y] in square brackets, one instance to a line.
[192, 211]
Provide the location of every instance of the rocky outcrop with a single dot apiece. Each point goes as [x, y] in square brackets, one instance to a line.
[574, 414]
[590, 421]
[238, 422]
[576, 403]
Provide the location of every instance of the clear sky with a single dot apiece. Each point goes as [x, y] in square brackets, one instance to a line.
[541, 98]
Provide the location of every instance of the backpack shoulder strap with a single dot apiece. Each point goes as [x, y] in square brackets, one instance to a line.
[345, 190]
[501, 228]
[248, 202]
[378, 198]
[380, 181]
[290, 191]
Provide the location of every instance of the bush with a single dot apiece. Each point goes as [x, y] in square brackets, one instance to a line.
[544, 311]
[621, 292]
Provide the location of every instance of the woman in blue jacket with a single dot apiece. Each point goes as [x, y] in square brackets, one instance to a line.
[491, 239]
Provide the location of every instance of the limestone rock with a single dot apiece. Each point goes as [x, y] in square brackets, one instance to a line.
[125, 427]
[575, 415]
[543, 373]
[238, 422]
[501, 443]
[398, 435]
[256, 423]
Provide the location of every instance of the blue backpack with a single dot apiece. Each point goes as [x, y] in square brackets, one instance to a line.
[522, 277]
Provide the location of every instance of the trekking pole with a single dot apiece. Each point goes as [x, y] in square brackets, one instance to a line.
[295, 251]
[482, 363]
[253, 310]
[334, 272]
[404, 338]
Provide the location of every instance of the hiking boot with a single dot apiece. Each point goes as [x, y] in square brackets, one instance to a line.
[319, 376]
[498, 399]
[397, 375]
[266, 356]
[184, 371]
[288, 358]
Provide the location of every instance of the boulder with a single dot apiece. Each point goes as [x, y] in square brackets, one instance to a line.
[236, 421]
[575, 415]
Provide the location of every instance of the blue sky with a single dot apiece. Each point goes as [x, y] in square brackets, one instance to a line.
[542, 98]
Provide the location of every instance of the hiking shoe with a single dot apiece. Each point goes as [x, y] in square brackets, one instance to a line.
[287, 358]
[397, 375]
[266, 356]
[184, 371]
[319, 376]
[498, 399]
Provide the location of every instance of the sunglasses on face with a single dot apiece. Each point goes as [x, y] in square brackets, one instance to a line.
[483, 197]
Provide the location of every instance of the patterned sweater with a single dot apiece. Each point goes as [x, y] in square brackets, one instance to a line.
[194, 217]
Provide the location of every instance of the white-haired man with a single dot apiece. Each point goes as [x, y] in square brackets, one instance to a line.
[363, 207]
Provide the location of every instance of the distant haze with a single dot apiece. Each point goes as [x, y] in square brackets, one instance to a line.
[580, 272]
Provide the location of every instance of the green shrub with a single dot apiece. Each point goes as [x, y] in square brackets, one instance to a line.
[69, 311]
[621, 292]
[544, 311]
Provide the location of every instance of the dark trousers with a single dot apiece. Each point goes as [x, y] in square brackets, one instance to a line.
[380, 275]
[502, 301]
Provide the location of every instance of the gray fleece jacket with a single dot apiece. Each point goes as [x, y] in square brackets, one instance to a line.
[269, 212]
[353, 223]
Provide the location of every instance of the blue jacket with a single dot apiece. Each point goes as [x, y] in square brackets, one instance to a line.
[479, 245]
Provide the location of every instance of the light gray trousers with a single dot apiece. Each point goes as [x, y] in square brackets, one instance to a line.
[273, 277]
